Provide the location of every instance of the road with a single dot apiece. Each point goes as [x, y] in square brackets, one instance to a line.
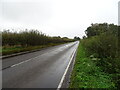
[41, 69]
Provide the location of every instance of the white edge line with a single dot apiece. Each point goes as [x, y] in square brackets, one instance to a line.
[63, 77]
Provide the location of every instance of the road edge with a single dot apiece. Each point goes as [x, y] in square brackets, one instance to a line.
[25, 52]
[21, 53]
[65, 80]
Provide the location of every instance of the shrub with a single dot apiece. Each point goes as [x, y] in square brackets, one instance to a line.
[30, 38]
[103, 43]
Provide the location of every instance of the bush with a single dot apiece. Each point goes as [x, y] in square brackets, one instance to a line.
[30, 38]
[104, 45]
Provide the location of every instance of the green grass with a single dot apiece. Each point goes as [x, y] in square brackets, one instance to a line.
[7, 50]
[87, 75]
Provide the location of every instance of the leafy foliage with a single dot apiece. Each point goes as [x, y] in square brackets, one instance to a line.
[86, 74]
[30, 38]
[97, 29]
[76, 38]
[102, 42]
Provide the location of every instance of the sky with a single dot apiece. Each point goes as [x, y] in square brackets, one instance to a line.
[65, 18]
[119, 13]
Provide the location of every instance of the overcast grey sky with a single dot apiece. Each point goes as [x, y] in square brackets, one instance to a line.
[57, 17]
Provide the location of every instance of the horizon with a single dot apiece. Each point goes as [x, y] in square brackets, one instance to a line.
[65, 18]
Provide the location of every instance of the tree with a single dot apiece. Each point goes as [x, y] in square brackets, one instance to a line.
[84, 37]
[76, 38]
[97, 29]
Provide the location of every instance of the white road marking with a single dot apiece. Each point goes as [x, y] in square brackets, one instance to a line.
[24, 61]
[63, 77]
[32, 58]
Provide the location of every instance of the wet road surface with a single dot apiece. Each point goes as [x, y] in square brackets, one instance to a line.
[41, 69]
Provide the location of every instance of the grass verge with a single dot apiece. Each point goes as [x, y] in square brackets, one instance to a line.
[86, 74]
[16, 49]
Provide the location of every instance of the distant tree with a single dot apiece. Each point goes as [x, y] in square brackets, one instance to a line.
[84, 37]
[76, 38]
[59, 37]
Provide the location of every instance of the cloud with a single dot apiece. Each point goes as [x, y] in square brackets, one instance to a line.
[58, 17]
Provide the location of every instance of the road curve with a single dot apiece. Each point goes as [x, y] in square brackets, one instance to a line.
[41, 69]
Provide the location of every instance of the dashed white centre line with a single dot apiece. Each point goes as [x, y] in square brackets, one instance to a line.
[31, 59]
[24, 61]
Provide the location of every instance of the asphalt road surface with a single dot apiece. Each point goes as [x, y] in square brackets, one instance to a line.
[41, 69]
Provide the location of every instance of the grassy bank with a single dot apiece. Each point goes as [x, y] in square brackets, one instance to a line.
[7, 50]
[86, 74]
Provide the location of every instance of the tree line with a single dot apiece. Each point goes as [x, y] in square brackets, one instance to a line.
[30, 38]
